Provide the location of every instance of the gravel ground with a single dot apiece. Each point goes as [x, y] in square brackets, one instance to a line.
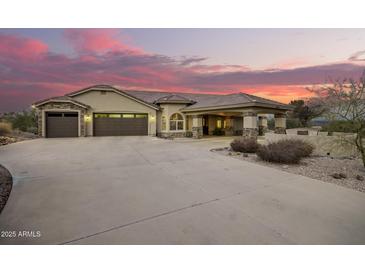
[6, 183]
[316, 167]
[16, 136]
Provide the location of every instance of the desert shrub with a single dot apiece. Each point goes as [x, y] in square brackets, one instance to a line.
[288, 151]
[5, 128]
[25, 121]
[293, 123]
[218, 132]
[290, 123]
[339, 126]
[247, 145]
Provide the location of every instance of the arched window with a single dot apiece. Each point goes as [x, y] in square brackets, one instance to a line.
[176, 122]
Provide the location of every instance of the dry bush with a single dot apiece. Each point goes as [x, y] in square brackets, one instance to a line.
[285, 151]
[5, 128]
[247, 145]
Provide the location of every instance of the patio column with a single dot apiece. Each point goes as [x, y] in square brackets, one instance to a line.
[197, 127]
[262, 124]
[250, 125]
[280, 123]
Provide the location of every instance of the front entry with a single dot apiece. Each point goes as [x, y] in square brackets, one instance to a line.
[120, 124]
[205, 125]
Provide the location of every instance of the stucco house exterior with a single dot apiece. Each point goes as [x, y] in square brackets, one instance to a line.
[104, 110]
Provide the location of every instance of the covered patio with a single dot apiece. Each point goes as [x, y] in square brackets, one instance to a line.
[248, 122]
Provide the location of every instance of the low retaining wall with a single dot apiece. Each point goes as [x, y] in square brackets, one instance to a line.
[338, 145]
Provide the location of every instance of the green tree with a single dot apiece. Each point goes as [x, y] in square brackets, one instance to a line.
[305, 111]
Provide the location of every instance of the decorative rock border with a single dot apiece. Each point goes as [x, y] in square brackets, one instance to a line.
[6, 183]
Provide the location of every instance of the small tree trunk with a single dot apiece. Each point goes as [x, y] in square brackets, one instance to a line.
[360, 146]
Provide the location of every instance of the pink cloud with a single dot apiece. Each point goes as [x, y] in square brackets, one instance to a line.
[21, 48]
[98, 41]
[103, 58]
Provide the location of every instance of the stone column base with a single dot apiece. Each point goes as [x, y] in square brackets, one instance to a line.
[250, 132]
[197, 132]
[280, 130]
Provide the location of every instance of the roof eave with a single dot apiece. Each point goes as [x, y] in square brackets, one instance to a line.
[250, 104]
[40, 103]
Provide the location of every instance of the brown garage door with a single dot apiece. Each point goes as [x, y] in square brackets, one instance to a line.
[120, 124]
[62, 124]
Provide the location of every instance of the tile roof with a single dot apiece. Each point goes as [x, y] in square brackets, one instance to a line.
[193, 100]
[206, 100]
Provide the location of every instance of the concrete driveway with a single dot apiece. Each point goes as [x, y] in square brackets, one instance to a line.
[144, 190]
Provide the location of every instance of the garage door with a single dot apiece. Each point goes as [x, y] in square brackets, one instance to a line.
[62, 124]
[120, 124]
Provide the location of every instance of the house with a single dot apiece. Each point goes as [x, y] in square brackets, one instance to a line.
[104, 110]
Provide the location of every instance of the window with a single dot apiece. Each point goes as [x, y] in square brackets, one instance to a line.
[101, 115]
[219, 123]
[128, 115]
[114, 116]
[163, 126]
[176, 122]
[141, 115]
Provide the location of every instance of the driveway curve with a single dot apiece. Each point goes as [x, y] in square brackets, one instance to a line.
[145, 190]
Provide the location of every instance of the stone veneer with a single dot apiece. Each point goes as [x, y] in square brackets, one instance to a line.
[250, 132]
[172, 134]
[54, 106]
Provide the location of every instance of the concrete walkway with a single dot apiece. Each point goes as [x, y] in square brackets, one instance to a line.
[144, 190]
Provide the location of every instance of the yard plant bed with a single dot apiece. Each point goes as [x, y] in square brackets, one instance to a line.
[16, 136]
[6, 183]
[317, 167]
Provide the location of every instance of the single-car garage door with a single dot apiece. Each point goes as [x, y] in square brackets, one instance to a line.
[120, 124]
[62, 124]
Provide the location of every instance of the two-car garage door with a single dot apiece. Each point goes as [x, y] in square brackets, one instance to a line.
[66, 124]
[120, 124]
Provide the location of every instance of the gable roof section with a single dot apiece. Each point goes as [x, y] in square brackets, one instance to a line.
[61, 99]
[111, 88]
[174, 99]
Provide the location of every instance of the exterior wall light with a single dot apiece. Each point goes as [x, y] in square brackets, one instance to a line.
[87, 118]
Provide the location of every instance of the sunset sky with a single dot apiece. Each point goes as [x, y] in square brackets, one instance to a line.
[272, 63]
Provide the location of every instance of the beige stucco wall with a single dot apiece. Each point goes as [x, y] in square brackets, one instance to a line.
[112, 102]
[167, 111]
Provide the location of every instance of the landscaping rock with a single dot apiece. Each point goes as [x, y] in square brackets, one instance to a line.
[244, 154]
[321, 168]
[359, 177]
[343, 175]
[339, 175]
[6, 183]
[4, 140]
[285, 166]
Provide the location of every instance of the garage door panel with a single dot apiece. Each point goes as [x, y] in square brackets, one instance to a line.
[62, 125]
[116, 125]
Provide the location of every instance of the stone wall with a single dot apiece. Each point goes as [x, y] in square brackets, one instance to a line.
[54, 106]
[171, 134]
